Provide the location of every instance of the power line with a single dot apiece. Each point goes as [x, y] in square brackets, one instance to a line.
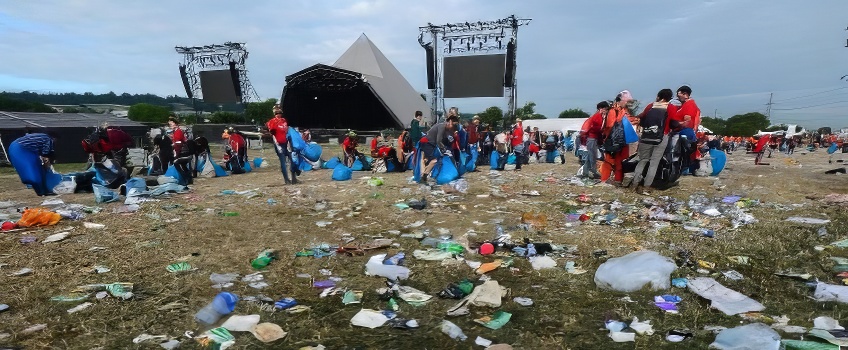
[810, 95]
[768, 110]
[805, 107]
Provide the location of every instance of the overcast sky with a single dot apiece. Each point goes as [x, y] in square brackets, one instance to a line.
[733, 53]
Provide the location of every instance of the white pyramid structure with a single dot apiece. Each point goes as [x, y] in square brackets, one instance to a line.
[388, 84]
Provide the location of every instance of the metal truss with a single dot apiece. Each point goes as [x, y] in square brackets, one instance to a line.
[218, 56]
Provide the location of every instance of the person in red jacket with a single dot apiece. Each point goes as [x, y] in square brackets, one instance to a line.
[236, 150]
[279, 129]
[349, 145]
[178, 137]
[517, 143]
[182, 153]
[590, 134]
[689, 116]
[378, 148]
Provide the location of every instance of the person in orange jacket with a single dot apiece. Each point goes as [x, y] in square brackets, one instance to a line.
[612, 163]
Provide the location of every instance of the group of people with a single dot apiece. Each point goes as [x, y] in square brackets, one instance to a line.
[664, 123]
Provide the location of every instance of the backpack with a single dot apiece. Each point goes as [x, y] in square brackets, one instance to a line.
[653, 125]
[615, 141]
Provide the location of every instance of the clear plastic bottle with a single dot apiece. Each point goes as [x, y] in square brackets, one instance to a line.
[452, 330]
[223, 304]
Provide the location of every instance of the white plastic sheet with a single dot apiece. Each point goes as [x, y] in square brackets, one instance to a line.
[724, 299]
[755, 336]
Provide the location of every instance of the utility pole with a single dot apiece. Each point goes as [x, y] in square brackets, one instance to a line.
[768, 109]
[715, 114]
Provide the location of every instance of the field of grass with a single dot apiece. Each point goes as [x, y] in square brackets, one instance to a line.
[568, 311]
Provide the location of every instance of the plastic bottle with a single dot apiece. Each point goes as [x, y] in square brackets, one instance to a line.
[230, 213]
[452, 330]
[452, 247]
[263, 259]
[430, 241]
[223, 304]
[499, 231]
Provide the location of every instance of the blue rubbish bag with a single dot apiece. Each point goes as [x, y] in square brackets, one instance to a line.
[550, 156]
[342, 173]
[304, 165]
[471, 162]
[103, 194]
[832, 149]
[257, 162]
[630, 135]
[219, 170]
[172, 172]
[247, 168]
[312, 152]
[109, 176]
[494, 160]
[510, 159]
[138, 184]
[718, 161]
[447, 171]
[331, 164]
[297, 142]
[463, 158]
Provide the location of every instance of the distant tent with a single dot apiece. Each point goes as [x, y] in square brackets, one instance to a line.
[361, 91]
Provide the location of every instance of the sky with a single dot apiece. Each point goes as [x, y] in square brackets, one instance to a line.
[733, 53]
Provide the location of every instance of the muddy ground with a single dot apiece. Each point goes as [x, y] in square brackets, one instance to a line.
[568, 311]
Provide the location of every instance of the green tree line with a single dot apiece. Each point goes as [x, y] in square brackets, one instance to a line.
[72, 98]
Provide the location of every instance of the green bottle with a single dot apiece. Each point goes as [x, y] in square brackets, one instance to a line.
[263, 259]
[452, 247]
[230, 213]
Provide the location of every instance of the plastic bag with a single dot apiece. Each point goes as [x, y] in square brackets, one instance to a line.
[633, 271]
[375, 267]
[751, 336]
[67, 186]
[103, 194]
[447, 171]
[297, 142]
[38, 217]
[724, 299]
[630, 135]
[342, 173]
[312, 152]
[331, 164]
[718, 160]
